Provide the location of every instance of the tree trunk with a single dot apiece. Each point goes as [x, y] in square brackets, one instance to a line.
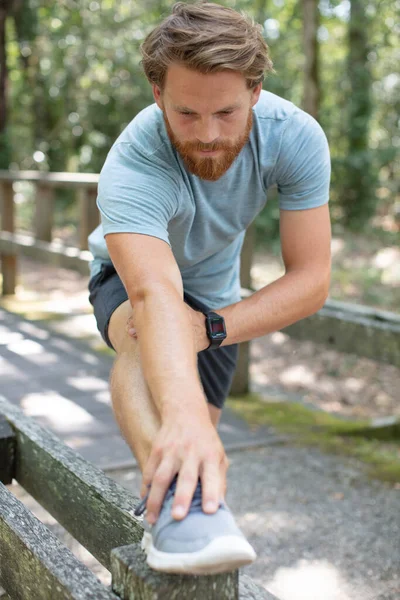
[311, 21]
[5, 6]
[358, 196]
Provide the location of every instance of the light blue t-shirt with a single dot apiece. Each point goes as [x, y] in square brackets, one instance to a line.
[145, 188]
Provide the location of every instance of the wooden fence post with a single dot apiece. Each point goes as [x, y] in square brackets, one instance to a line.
[89, 214]
[44, 214]
[8, 261]
[133, 578]
[240, 384]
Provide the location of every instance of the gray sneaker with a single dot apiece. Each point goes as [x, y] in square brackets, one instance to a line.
[199, 544]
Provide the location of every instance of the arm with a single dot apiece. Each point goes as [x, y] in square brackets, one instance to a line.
[187, 442]
[300, 292]
[153, 282]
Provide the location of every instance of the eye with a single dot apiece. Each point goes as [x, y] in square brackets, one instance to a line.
[226, 112]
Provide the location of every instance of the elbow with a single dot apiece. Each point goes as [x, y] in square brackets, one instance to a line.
[322, 298]
[320, 294]
[153, 288]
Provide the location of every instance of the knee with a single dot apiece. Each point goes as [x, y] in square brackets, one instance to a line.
[122, 342]
[117, 330]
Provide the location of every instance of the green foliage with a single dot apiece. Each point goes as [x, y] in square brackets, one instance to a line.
[75, 82]
[5, 150]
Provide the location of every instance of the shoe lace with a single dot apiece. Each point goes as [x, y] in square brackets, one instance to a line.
[194, 506]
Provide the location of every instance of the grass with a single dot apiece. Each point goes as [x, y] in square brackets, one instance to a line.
[379, 448]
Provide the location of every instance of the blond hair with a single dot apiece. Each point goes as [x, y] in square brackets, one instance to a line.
[208, 38]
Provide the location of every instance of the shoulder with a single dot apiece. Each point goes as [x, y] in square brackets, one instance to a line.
[142, 147]
[147, 134]
[289, 118]
[273, 107]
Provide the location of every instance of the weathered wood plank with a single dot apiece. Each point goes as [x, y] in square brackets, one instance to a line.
[89, 215]
[44, 212]
[241, 379]
[133, 578]
[54, 179]
[8, 261]
[241, 384]
[48, 252]
[352, 328]
[93, 508]
[7, 451]
[249, 590]
[35, 565]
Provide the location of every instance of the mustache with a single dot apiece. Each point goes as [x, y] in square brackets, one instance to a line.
[210, 147]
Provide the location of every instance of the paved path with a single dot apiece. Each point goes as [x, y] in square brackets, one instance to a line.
[322, 531]
[64, 385]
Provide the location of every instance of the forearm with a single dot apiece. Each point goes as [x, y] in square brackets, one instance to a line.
[167, 348]
[294, 296]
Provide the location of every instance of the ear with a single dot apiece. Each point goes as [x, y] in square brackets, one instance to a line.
[157, 95]
[255, 94]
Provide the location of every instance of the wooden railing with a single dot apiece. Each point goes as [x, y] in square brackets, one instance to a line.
[96, 511]
[341, 326]
[39, 245]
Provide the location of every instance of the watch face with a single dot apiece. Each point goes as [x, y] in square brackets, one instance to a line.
[217, 327]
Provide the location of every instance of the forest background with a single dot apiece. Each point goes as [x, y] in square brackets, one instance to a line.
[71, 80]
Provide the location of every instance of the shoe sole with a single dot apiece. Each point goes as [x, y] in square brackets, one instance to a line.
[225, 553]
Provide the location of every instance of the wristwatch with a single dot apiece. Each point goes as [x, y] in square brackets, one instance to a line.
[215, 327]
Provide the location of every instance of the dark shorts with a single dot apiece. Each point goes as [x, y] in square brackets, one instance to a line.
[216, 367]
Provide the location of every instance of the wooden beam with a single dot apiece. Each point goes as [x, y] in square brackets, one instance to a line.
[53, 253]
[93, 508]
[44, 212]
[89, 215]
[35, 565]
[249, 590]
[241, 383]
[347, 327]
[133, 578]
[54, 179]
[7, 451]
[8, 259]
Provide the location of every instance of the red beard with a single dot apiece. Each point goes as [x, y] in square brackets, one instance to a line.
[210, 168]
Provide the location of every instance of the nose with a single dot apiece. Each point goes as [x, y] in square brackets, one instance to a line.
[207, 131]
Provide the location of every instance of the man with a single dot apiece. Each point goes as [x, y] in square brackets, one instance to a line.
[178, 189]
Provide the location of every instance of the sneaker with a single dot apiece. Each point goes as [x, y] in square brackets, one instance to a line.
[199, 544]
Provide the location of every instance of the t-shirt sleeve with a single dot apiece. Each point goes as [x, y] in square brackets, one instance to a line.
[303, 167]
[136, 192]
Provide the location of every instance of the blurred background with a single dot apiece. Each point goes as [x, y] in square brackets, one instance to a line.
[71, 80]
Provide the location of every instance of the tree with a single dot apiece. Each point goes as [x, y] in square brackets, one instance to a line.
[311, 21]
[358, 192]
[5, 148]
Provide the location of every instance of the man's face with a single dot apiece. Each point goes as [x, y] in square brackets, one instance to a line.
[208, 117]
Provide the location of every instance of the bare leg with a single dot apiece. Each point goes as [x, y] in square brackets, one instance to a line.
[133, 406]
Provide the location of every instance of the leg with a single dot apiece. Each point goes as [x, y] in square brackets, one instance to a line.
[134, 409]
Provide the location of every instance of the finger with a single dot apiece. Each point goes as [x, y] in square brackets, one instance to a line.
[213, 483]
[187, 483]
[149, 471]
[159, 487]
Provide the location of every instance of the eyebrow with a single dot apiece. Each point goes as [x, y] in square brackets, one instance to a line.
[226, 109]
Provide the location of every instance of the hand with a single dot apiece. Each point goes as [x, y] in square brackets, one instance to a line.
[188, 445]
[198, 321]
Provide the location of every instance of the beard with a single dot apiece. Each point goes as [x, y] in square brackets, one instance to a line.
[210, 168]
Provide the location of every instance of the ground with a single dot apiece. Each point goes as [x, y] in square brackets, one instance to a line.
[365, 270]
